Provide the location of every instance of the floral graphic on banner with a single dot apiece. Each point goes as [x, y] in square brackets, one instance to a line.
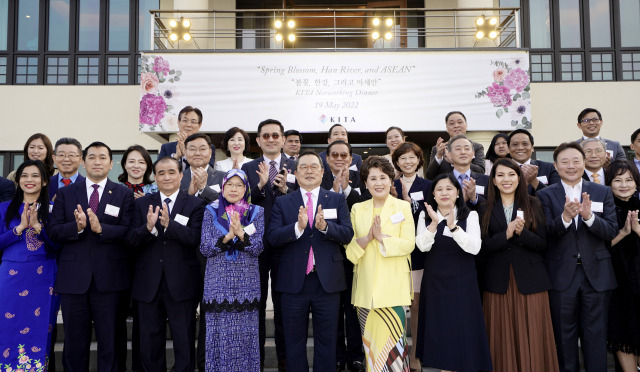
[157, 93]
[509, 91]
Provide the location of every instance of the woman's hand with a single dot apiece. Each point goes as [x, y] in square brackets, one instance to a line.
[511, 228]
[33, 219]
[519, 225]
[376, 229]
[405, 190]
[236, 226]
[635, 225]
[138, 194]
[24, 219]
[433, 215]
[451, 217]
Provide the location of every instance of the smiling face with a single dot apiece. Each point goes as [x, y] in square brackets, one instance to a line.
[37, 150]
[198, 153]
[339, 158]
[189, 123]
[461, 154]
[97, 163]
[378, 183]
[501, 147]
[394, 139]
[68, 159]
[338, 133]
[408, 163]
[596, 155]
[135, 166]
[236, 144]
[520, 148]
[292, 145]
[270, 140]
[309, 172]
[570, 166]
[590, 125]
[445, 193]
[506, 180]
[456, 125]
[623, 186]
[168, 176]
[31, 181]
[234, 189]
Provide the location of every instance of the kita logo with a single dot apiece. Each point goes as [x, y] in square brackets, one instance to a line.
[323, 119]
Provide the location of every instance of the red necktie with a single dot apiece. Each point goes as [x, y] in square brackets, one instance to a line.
[94, 200]
[66, 182]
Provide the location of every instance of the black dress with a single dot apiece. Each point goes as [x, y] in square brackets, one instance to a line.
[624, 311]
[451, 329]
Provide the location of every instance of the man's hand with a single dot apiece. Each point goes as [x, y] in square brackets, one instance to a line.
[337, 181]
[571, 209]
[164, 216]
[303, 219]
[281, 182]
[263, 174]
[152, 217]
[81, 218]
[441, 145]
[93, 220]
[320, 223]
[585, 207]
[180, 151]
[531, 174]
[469, 190]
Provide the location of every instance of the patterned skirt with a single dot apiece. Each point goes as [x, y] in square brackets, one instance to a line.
[384, 338]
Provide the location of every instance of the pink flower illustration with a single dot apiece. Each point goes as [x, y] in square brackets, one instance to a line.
[23, 359]
[152, 109]
[149, 82]
[161, 66]
[499, 95]
[499, 74]
[517, 79]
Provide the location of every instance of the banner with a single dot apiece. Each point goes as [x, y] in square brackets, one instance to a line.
[311, 91]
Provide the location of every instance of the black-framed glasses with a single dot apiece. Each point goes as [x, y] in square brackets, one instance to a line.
[592, 120]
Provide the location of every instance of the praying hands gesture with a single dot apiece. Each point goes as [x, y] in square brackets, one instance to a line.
[81, 218]
[180, 151]
[198, 182]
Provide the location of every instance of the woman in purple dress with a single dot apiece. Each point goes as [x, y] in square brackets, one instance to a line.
[27, 273]
[232, 241]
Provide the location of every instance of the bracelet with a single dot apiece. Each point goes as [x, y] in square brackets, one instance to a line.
[16, 231]
[454, 229]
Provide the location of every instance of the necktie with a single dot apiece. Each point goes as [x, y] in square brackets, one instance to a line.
[310, 215]
[66, 181]
[273, 172]
[168, 202]
[596, 178]
[94, 200]
[461, 179]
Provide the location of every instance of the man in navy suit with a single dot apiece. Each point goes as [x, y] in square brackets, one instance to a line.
[474, 185]
[167, 283]
[581, 223]
[7, 189]
[270, 176]
[538, 173]
[590, 122]
[90, 220]
[339, 133]
[68, 158]
[189, 122]
[200, 179]
[310, 226]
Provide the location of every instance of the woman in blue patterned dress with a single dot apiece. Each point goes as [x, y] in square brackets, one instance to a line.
[136, 171]
[29, 307]
[232, 241]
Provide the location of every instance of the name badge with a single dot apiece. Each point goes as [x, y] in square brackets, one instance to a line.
[112, 210]
[357, 190]
[397, 218]
[543, 179]
[418, 195]
[250, 230]
[353, 168]
[610, 152]
[215, 188]
[597, 207]
[480, 190]
[50, 208]
[520, 214]
[330, 214]
[291, 178]
[182, 220]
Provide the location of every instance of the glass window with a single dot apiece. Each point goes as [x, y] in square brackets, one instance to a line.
[88, 70]
[118, 70]
[629, 25]
[570, 24]
[4, 23]
[600, 23]
[571, 67]
[57, 70]
[630, 66]
[27, 70]
[3, 70]
[28, 21]
[144, 22]
[58, 25]
[89, 33]
[540, 24]
[601, 66]
[118, 25]
[541, 67]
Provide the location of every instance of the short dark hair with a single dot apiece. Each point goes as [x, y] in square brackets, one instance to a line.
[634, 135]
[619, 167]
[167, 158]
[586, 111]
[336, 125]
[339, 142]
[565, 146]
[293, 132]
[491, 152]
[48, 159]
[97, 144]
[195, 136]
[446, 118]
[524, 131]
[461, 206]
[379, 162]
[392, 128]
[405, 148]
[458, 137]
[270, 121]
[188, 109]
[309, 152]
[146, 179]
[230, 133]
[68, 141]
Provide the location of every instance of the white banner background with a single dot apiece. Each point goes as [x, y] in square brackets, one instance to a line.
[310, 91]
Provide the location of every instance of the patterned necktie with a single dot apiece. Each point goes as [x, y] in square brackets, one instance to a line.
[461, 179]
[94, 200]
[273, 172]
[310, 215]
[168, 203]
[66, 182]
[596, 178]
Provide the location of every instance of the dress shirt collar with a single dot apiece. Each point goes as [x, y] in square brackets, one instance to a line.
[585, 137]
[457, 174]
[573, 192]
[441, 217]
[173, 198]
[90, 184]
[278, 160]
[525, 163]
[72, 178]
[600, 174]
[304, 192]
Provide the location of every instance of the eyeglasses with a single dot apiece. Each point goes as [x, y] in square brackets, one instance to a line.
[234, 185]
[274, 135]
[187, 121]
[592, 120]
[70, 156]
[305, 167]
[342, 155]
[591, 151]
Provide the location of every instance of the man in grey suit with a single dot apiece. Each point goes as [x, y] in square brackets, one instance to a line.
[590, 122]
[200, 179]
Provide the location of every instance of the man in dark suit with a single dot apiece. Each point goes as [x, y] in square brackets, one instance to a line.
[7, 189]
[292, 143]
[635, 147]
[90, 220]
[474, 185]
[200, 179]
[68, 158]
[440, 162]
[590, 123]
[189, 122]
[538, 173]
[339, 133]
[167, 283]
[595, 151]
[581, 223]
[270, 176]
[310, 226]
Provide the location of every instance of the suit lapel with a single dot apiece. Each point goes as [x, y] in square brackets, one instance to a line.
[498, 215]
[387, 208]
[107, 196]
[323, 198]
[178, 205]
[82, 193]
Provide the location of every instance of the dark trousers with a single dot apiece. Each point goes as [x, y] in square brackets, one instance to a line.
[153, 324]
[78, 311]
[269, 263]
[580, 312]
[295, 315]
[348, 325]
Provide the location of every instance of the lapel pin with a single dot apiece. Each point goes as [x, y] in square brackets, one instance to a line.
[109, 191]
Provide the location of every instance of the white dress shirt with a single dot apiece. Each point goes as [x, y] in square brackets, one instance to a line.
[227, 164]
[170, 205]
[469, 240]
[575, 193]
[101, 185]
[600, 175]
